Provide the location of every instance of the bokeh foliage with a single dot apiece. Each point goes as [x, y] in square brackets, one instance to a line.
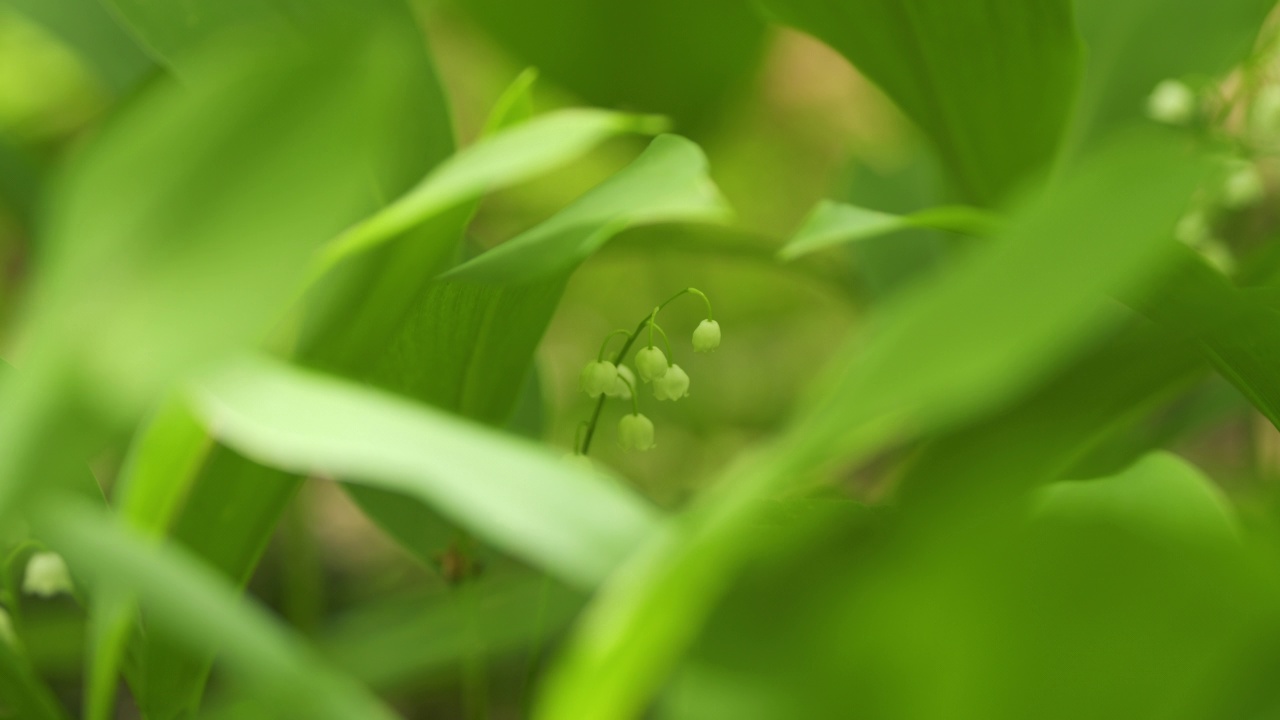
[295, 297]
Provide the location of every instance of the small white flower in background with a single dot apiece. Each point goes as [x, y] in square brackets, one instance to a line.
[672, 386]
[622, 384]
[706, 337]
[6, 627]
[46, 575]
[1243, 187]
[1192, 228]
[635, 432]
[1264, 114]
[651, 364]
[1171, 102]
[598, 377]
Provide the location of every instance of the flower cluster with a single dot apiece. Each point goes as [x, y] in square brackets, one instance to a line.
[603, 378]
[1246, 114]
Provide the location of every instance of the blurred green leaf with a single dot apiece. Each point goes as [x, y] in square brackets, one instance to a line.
[1161, 496]
[833, 223]
[175, 590]
[991, 83]
[511, 493]
[666, 56]
[513, 155]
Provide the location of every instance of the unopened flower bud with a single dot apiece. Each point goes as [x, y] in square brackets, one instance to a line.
[706, 337]
[651, 363]
[672, 386]
[623, 383]
[598, 377]
[635, 432]
[1193, 229]
[46, 575]
[1171, 102]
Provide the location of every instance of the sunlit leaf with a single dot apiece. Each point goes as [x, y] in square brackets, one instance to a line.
[518, 497]
[835, 223]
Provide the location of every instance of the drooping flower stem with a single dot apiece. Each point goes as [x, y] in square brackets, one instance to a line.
[649, 320]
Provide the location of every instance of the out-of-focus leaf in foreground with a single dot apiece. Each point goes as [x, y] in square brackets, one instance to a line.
[188, 602]
[518, 497]
[236, 176]
[972, 340]
[991, 83]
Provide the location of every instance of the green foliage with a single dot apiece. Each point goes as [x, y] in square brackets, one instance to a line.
[300, 314]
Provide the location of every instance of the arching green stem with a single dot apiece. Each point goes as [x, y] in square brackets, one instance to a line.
[607, 338]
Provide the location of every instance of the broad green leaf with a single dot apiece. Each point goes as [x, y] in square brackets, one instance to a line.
[678, 58]
[1160, 496]
[516, 154]
[667, 183]
[189, 603]
[833, 223]
[506, 490]
[991, 83]
[972, 340]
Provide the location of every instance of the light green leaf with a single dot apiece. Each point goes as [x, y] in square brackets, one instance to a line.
[990, 82]
[833, 223]
[188, 602]
[96, 36]
[1161, 497]
[508, 491]
[509, 157]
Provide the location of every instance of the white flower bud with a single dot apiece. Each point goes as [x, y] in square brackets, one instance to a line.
[672, 386]
[7, 634]
[1192, 229]
[635, 432]
[651, 363]
[623, 383]
[1171, 102]
[1243, 187]
[46, 575]
[598, 377]
[706, 337]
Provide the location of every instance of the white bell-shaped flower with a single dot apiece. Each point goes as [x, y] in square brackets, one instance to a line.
[706, 337]
[622, 384]
[46, 575]
[635, 432]
[599, 377]
[672, 386]
[651, 364]
[1172, 103]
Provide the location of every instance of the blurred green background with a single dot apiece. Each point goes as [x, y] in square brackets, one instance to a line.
[1025, 510]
